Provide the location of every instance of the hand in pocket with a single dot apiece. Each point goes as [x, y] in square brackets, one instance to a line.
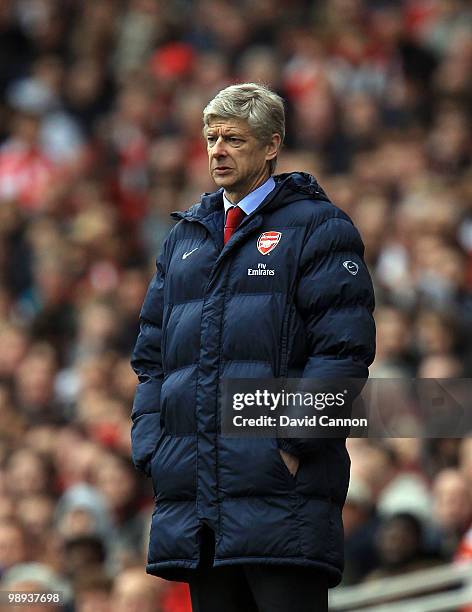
[290, 461]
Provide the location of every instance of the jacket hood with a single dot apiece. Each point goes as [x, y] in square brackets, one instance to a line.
[292, 185]
[301, 183]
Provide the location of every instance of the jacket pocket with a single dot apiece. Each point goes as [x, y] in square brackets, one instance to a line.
[173, 468]
[292, 479]
[145, 438]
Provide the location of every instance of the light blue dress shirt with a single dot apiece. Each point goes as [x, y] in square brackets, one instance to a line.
[253, 199]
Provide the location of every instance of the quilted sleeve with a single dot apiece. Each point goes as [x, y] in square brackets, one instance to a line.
[146, 361]
[335, 298]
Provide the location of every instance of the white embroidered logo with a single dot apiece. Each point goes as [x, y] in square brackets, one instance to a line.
[188, 253]
[351, 267]
[261, 270]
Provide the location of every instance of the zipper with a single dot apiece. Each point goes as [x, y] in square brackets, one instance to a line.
[284, 342]
[250, 226]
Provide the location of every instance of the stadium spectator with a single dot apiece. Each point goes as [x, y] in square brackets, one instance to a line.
[13, 544]
[401, 547]
[452, 509]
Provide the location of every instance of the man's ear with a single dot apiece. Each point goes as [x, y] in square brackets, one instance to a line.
[273, 146]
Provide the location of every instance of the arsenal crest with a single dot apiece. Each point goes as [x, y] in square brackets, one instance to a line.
[268, 241]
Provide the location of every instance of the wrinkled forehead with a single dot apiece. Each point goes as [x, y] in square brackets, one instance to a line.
[224, 125]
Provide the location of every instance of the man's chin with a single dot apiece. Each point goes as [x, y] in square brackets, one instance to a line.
[223, 181]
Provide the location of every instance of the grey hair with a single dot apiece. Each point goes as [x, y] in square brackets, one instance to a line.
[257, 104]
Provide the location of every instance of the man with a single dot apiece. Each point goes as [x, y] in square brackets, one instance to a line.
[251, 524]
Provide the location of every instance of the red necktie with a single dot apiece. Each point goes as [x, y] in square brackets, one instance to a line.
[234, 216]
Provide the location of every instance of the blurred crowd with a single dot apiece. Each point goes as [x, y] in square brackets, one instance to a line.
[100, 138]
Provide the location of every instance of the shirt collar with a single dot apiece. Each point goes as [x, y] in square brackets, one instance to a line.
[253, 199]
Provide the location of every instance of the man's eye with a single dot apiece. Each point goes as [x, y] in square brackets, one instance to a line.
[234, 140]
[211, 139]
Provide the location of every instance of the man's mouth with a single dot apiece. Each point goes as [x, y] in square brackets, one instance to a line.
[222, 169]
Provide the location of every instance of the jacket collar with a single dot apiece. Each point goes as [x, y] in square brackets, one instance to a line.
[293, 186]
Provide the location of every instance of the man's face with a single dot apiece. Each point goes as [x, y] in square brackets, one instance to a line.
[237, 160]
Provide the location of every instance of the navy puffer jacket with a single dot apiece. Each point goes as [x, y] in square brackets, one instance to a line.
[206, 317]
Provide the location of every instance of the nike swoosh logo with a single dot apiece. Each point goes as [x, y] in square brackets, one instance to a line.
[188, 253]
[351, 267]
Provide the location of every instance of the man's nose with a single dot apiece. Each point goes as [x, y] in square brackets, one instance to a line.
[219, 148]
